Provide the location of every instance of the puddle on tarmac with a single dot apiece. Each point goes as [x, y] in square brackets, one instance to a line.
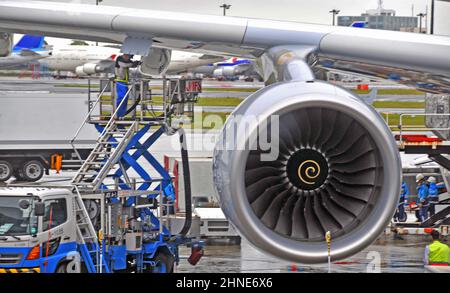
[396, 256]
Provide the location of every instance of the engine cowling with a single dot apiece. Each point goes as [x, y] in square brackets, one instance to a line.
[88, 69]
[224, 72]
[336, 169]
[6, 42]
[157, 62]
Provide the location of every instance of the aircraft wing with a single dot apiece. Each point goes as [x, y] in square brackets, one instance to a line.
[30, 53]
[429, 83]
[226, 35]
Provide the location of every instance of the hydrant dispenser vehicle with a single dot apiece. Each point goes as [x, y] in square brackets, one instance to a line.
[51, 231]
[108, 219]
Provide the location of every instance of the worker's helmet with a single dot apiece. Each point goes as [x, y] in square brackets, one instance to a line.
[419, 177]
[431, 179]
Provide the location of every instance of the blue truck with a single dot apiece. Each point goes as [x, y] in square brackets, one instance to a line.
[57, 231]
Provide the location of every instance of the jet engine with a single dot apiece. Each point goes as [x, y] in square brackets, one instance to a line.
[333, 166]
[6, 42]
[157, 62]
[88, 69]
[224, 72]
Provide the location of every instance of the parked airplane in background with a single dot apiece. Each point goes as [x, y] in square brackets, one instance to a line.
[87, 60]
[82, 60]
[360, 24]
[230, 69]
[336, 172]
[182, 62]
[28, 50]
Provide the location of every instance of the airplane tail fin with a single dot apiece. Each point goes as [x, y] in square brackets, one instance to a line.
[28, 42]
[370, 99]
[360, 24]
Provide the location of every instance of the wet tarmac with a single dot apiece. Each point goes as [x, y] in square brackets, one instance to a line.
[386, 255]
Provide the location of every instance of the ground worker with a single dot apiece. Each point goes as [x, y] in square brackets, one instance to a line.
[437, 253]
[122, 72]
[433, 195]
[400, 214]
[422, 193]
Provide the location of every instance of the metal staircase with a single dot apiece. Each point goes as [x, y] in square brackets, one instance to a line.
[89, 246]
[439, 218]
[111, 144]
[120, 150]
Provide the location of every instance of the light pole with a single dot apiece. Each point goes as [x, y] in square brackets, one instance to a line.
[432, 18]
[225, 8]
[421, 15]
[334, 12]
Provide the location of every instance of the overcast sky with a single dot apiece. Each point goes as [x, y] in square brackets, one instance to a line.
[316, 11]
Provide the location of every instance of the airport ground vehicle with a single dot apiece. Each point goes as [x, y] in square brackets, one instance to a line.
[36, 132]
[41, 230]
[105, 220]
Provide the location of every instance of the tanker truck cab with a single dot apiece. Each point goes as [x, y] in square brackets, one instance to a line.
[37, 233]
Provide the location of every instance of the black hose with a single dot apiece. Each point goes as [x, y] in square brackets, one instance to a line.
[138, 100]
[187, 183]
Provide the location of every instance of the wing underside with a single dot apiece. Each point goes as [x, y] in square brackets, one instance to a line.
[430, 83]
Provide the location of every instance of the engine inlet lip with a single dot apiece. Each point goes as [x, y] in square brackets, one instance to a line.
[350, 243]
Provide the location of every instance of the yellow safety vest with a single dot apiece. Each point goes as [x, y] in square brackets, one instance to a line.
[438, 253]
[127, 73]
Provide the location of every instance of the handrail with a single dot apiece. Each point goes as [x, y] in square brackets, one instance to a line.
[401, 127]
[114, 115]
[87, 118]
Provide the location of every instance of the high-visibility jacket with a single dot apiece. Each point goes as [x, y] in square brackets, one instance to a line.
[437, 253]
[122, 69]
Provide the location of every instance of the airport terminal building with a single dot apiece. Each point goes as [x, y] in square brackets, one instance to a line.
[384, 22]
[380, 18]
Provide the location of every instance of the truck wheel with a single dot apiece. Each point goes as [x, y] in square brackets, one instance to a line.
[62, 268]
[6, 171]
[32, 171]
[402, 217]
[164, 263]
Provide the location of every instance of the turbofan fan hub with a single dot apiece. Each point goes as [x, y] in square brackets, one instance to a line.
[307, 169]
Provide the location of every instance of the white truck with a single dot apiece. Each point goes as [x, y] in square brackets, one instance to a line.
[29, 233]
[52, 231]
[35, 134]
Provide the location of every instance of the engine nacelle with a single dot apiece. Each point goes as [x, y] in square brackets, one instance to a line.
[335, 168]
[6, 42]
[88, 69]
[157, 62]
[224, 72]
